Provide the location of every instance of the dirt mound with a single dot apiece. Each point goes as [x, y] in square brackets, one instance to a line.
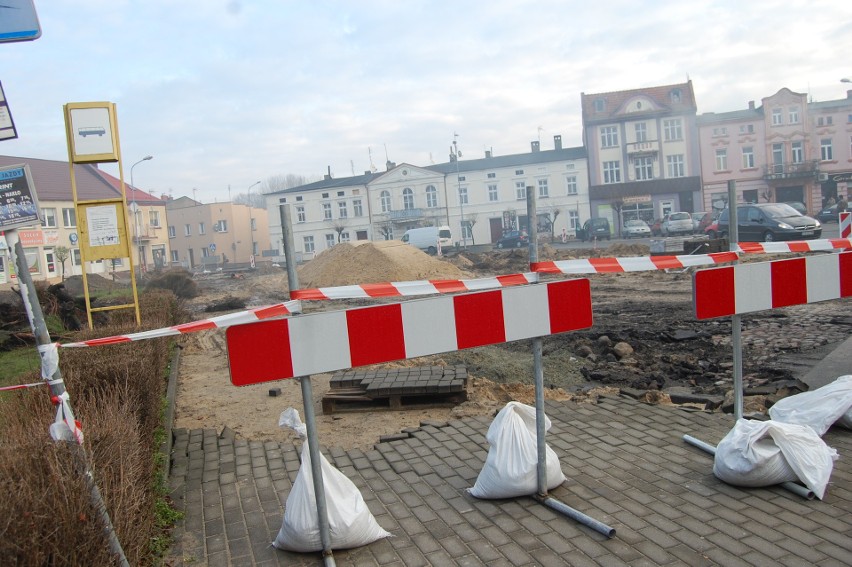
[74, 284]
[372, 262]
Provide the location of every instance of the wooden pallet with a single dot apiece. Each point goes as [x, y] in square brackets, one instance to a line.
[339, 400]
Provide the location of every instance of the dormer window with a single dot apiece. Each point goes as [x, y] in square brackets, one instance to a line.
[675, 95]
[600, 105]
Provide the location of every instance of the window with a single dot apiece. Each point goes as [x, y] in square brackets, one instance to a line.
[431, 197]
[643, 167]
[175, 257]
[721, 159]
[253, 223]
[778, 157]
[329, 240]
[609, 137]
[341, 193]
[746, 128]
[326, 211]
[672, 129]
[220, 226]
[344, 237]
[820, 121]
[76, 258]
[172, 232]
[675, 165]
[462, 178]
[466, 231]
[571, 184]
[407, 199]
[69, 218]
[187, 230]
[825, 152]
[723, 131]
[492, 193]
[641, 132]
[154, 218]
[794, 115]
[521, 190]
[573, 219]
[342, 210]
[300, 213]
[519, 172]
[386, 201]
[357, 208]
[675, 95]
[463, 195]
[777, 119]
[543, 190]
[325, 195]
[494, 175]
[600, 105]
[201, 228]
[828, 120]
[748, 157]
[612, 171]
[309, 243]
[205, 252]
[48, 218]
[798, 152]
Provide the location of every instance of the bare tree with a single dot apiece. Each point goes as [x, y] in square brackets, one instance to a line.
[61, 254]
[385, 229]
[339, 228]
[554, 214]
[617, 205]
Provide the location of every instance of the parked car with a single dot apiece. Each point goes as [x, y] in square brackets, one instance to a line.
[594, 229]
[766, 222]
[513, 239]
[676, 223]
[828, 214]
[637, 228]
[799, 206]
[712, 230]
[696, 220]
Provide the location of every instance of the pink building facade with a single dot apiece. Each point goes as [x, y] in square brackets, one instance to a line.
[785, 150]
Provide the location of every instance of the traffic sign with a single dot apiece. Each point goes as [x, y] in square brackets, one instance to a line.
[212, 247]
[18, 21]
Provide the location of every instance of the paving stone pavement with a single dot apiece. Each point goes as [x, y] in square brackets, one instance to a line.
[626, 466]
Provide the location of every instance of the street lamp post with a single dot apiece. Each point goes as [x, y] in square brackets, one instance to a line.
[251, 219]
[457, 155]
[135, 208]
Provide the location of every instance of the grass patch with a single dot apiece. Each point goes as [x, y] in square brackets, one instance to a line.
[17, 362]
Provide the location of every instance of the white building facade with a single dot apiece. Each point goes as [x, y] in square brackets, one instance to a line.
[478, 199]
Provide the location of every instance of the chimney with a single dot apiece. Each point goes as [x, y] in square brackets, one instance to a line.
[327, 176]
[367, 172]
[557, 142]
[390, 165]
[751, 105]
[535, 146]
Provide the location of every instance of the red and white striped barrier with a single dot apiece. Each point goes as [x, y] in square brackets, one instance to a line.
[845, 223]
[746, 288]
[221, 322]
[795, 246]
[404, 289]
[631, 264]
[329, 341]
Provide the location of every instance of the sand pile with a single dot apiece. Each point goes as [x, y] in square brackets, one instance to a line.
[373, 262]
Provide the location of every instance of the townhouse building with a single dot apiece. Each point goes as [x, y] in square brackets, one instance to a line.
[58, 228]
[786, 149]
[643, 154]
[478, 199]
[215, 235]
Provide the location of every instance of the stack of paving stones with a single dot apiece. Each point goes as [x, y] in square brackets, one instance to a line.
[626, 465]
[398, 387]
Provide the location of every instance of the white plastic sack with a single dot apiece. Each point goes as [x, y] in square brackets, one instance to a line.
[819, 408]
[350, 522]
[763, 453]
[510, 469]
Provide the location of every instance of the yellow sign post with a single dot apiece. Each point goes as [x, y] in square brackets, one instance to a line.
[91, 129]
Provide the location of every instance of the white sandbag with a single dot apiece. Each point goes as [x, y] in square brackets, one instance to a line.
[350, 522]
[818, 408]
[510, 469]
[763, 453]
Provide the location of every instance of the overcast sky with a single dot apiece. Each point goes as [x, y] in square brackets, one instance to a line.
[229, 92]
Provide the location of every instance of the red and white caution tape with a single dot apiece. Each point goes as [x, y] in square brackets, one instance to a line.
[422, 287]
[631, 264]
[22, 386]
[241, 318]
[795, 246]
[65, 427]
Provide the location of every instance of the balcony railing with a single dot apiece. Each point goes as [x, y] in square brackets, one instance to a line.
[804, 169]
[405, 214]
[646, 147]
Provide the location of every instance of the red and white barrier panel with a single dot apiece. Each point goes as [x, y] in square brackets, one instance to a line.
[632, 264]
[795, 246]
[221, 322]
[329, 341]
[422, 287]
[746, 288]
[845, 223]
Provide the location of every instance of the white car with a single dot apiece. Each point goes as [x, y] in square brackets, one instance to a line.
[676, 223]
[637, 228]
